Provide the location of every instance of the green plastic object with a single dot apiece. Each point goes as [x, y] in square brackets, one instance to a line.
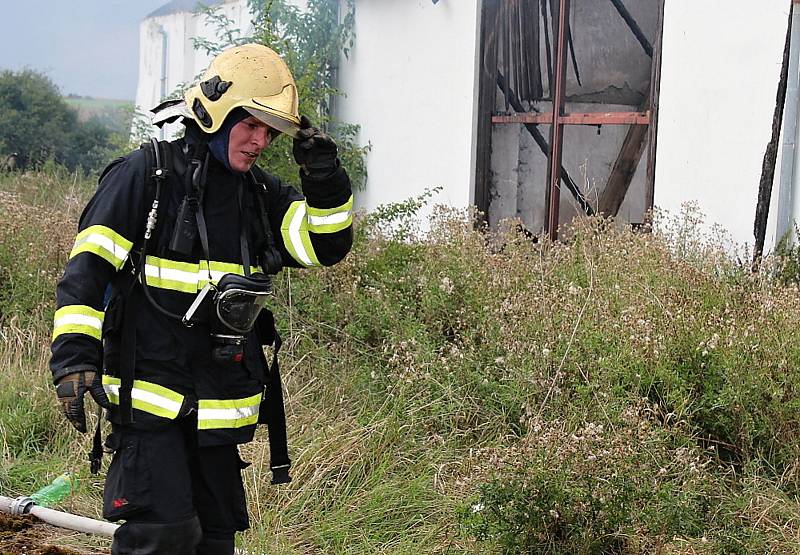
[56, 492]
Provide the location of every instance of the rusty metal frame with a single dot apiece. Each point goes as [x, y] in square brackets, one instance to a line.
[557, 128]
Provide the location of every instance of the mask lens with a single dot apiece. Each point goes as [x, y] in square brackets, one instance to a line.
[238, 309]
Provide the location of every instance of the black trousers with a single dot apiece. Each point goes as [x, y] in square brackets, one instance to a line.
[176, 498]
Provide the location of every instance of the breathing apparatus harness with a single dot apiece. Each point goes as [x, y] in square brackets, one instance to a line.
[231, 308]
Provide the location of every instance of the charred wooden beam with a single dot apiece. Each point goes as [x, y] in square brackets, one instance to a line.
[547, 48]
[652, 139]
[506, 52]
[623, 170]
[516, 46]
[633, 26]
[771, 155]
[487, 96]
[533, 55]
[571, 46]
[525, 83]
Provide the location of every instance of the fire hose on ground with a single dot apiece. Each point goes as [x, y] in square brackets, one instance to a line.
[38, 505]
[27, 506]
[60, 488]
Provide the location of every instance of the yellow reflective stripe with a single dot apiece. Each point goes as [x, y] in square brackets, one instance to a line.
[294, 230]
[227, 413]
[219, 269]
[170, 274]
[332, 224]
[148, 397]
[230, 403]
[225, 424]
[330, 220]
[285, 224]
[78, 319]
[225, 268]
[188, 277]
[103, 242]
[322, 212]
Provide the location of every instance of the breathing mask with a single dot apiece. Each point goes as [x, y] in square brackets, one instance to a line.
[230, 308]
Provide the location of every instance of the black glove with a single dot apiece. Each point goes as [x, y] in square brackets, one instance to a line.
[70, 390]
[314, 151]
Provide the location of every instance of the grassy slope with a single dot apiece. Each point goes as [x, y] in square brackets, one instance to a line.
[619, 394]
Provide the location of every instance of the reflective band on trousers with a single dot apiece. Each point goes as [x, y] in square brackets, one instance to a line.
[188, 277]
[103, 242]
[78, 319]
[215, 414]
[147, 397]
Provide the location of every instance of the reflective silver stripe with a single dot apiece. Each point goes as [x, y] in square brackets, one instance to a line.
[227, 414]
[294, 234]
[339, 218]
[219, 414]
[103, 242]
[171, 274]
[80, 320]
[148, 397]
[106, 243]
[188, 277]
[181, 275]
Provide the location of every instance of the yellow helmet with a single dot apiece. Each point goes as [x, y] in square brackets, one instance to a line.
[250, 76]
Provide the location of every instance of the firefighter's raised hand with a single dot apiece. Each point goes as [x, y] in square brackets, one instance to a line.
[71, 389]
[314, 151]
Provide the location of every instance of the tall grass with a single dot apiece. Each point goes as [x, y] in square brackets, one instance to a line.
[474, 392]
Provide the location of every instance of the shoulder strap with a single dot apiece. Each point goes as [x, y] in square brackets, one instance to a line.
[270, 257]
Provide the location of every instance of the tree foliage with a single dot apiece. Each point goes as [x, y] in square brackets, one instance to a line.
[311, 42]
[37, 123]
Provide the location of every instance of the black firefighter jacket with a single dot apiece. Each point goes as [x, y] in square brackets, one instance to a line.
[173, 364]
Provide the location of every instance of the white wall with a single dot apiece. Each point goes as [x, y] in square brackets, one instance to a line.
[412, 86]
[184, 62]
[720, 71]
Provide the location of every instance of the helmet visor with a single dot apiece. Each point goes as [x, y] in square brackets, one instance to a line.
[279, 124]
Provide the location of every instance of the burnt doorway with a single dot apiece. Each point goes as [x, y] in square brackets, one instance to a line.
[580, 75]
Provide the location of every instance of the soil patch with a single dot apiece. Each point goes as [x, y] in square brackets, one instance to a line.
[27, 535]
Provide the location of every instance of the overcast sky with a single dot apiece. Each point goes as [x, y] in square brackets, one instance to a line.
[87, 47]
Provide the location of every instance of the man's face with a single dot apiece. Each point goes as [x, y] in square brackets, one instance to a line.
[246, 141]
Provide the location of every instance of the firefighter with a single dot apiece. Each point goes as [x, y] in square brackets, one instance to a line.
[163, 308]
